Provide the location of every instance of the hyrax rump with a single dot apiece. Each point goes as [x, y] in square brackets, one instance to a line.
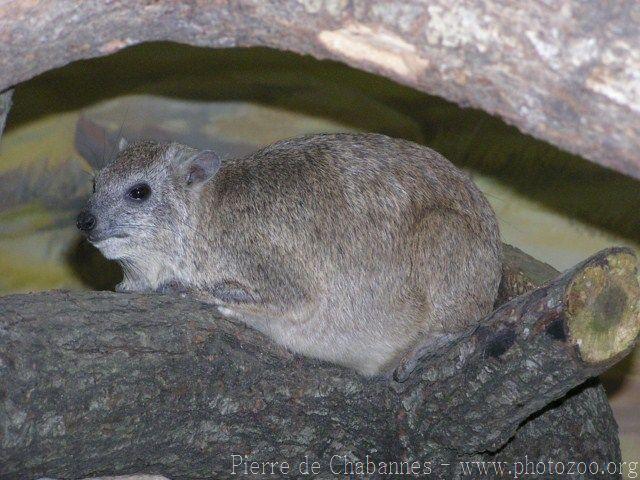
[352, 248]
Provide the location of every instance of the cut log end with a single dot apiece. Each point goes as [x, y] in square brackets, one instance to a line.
[603, 307]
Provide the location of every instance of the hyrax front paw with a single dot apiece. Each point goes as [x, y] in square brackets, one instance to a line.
[413, 357]
[124, 287]
[233, 293]
[127, 286]
[173, 288]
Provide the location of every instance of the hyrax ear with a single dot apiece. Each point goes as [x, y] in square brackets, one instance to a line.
[202, 166]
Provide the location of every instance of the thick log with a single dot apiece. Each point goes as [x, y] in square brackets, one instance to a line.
[526, 354]
[101, 383]
[565, 72]
[521, 273]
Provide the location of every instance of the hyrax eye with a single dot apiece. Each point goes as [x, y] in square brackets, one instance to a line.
[139, 192]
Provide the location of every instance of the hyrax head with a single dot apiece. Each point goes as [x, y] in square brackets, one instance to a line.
[140, 200]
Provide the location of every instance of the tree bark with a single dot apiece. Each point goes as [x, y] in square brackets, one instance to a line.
[100, 383]
[526, 354]
[565, 72]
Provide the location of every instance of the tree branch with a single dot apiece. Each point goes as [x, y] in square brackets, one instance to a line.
[567, 76]
[96, 382]
[528, 353]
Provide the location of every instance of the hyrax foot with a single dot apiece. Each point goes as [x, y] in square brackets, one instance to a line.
[234, 300]
[128, 286]
[228, 298]
[124, 287]
[233, 293]
[427, 347]
[173, 287]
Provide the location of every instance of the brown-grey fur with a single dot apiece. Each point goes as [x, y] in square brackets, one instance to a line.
[352, 248]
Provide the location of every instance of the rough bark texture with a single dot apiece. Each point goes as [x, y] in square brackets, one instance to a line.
[563, 71]
[500, 366]
[101, 383]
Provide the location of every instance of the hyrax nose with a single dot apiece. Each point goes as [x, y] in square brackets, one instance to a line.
[86, 221]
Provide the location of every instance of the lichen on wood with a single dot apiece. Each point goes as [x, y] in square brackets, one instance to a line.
[601, 320]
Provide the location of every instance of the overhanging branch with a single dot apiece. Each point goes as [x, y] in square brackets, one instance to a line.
[565, 75]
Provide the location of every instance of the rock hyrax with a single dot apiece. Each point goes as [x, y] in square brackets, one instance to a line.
[352, 248]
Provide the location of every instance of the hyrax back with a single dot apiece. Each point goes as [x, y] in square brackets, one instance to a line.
[352, 248]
